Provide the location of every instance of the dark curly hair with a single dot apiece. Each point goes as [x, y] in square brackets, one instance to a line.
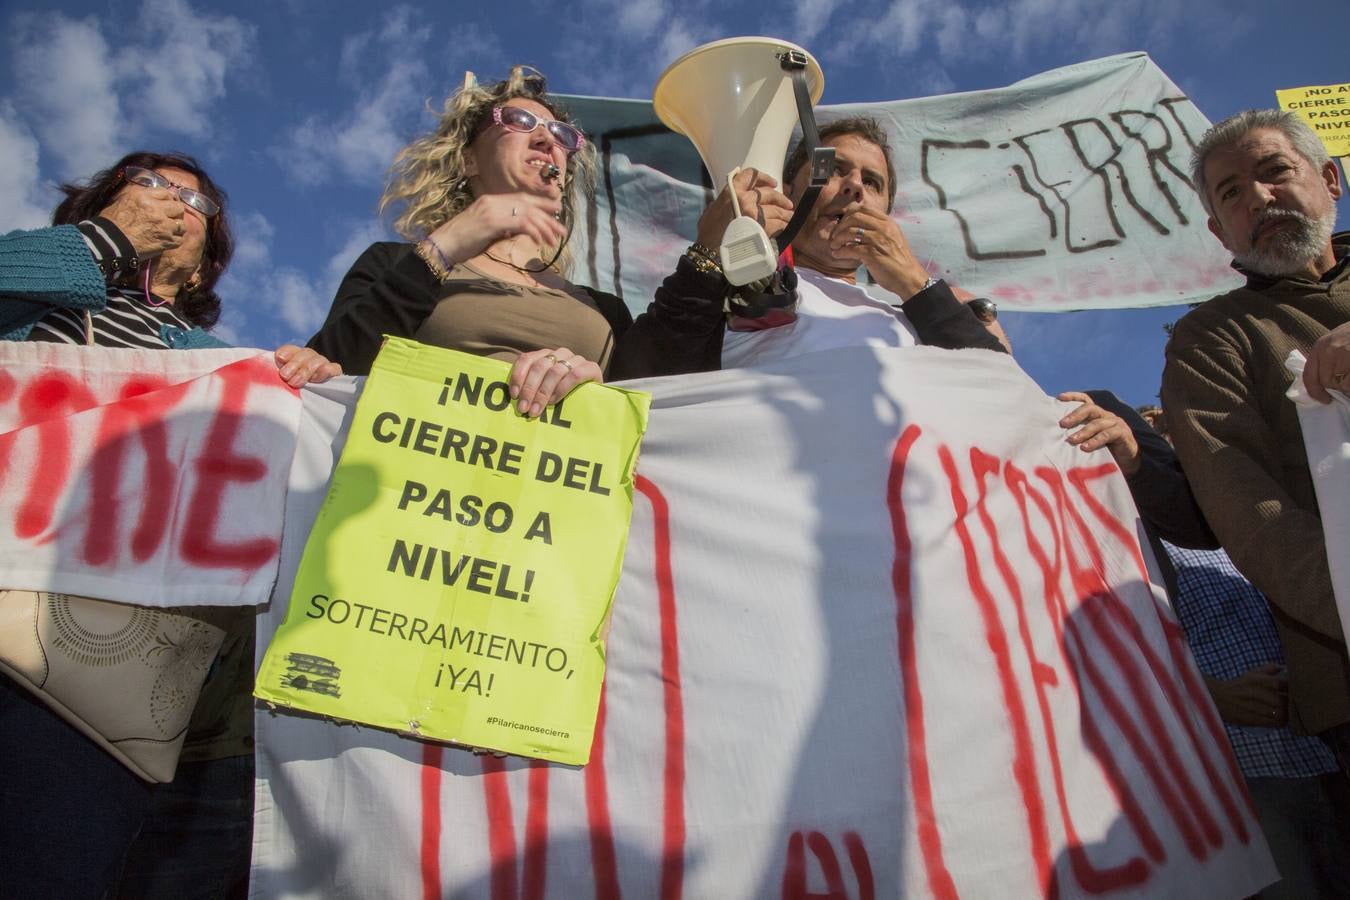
[200, 306]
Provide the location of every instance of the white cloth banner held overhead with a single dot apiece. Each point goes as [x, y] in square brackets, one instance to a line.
[880, 632]
[1068, 190]
[143, 476]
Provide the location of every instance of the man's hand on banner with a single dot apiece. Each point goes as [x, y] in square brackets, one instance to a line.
[875, 240]
[1328, 364]
[1099, 428]
[299, 366]
[1257, 697]
[541, 378]
[759, 198]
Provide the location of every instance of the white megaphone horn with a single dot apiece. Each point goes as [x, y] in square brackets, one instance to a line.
[738, 100]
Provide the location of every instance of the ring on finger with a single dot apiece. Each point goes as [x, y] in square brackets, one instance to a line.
[859, 233]
[566, 363]
[551, 358]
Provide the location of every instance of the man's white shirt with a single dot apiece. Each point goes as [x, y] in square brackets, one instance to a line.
[830, 314]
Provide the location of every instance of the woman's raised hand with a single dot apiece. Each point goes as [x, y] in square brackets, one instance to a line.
[493, 217]
[541, 378]
[151, 218]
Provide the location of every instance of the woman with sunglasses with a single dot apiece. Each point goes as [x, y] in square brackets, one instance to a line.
[131, 261]
[488, 201]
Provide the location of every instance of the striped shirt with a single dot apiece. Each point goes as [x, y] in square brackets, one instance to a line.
[1228, 626]
[127, 320]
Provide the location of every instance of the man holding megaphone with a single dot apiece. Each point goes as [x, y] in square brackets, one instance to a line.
[848, 226]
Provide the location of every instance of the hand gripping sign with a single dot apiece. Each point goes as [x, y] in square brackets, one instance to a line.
[458, 580]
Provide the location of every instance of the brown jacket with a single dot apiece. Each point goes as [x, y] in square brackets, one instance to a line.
[1239, 441]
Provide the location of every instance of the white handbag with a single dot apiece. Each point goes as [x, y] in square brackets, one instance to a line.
[125, 676]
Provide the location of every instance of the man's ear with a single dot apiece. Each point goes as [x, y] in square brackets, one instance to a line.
[1217, 230]
[1332, 177]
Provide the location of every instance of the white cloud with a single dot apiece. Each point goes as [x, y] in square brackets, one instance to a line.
[21, 203]
[258, 287]
[65, 82]
[361, 143]
[809, 18]
[179, 68]
[1016, 30]
[89, 88]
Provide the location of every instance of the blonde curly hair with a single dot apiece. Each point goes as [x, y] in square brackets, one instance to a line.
[427, 178]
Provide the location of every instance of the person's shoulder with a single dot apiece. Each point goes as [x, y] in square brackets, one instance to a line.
[384, 251]
[1213, 322]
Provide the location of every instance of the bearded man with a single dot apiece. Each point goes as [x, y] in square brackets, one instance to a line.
[1270, 190]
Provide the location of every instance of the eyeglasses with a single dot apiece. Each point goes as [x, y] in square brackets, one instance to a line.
[152, 179]
[515, 118]
[984, 309]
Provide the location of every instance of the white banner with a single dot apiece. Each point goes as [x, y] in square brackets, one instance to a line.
[880, 632]
[143, 476]
[1068, 190]
[1326, 440]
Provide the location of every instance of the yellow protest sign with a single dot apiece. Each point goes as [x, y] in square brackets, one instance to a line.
[457, 581]
[1327, 109]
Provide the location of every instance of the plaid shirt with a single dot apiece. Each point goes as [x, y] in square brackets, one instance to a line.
[1229, 628]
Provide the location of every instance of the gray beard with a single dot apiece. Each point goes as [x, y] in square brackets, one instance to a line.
[1289, 251]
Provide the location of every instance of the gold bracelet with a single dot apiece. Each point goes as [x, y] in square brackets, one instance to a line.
[703, 260]
[430, 254]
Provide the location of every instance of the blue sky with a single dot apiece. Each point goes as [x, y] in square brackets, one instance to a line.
[298, 106]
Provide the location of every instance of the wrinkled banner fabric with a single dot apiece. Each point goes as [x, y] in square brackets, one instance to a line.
[1068, 190]
[142, 476]
[880, 632]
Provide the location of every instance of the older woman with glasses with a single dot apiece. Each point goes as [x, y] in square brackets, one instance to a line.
[488, 202]
[147, 241]
[131, 261]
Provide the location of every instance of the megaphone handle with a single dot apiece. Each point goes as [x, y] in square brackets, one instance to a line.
[731, 189]
[820, 159]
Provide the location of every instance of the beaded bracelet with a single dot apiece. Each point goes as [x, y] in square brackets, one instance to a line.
[703, 259]
[435, 260]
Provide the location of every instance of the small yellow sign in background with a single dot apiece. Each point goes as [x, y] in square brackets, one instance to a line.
[1327, 109]
[457, 581]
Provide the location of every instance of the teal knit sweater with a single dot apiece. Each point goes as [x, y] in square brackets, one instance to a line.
[52, 267]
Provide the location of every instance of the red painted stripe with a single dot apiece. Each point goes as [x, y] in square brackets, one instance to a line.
[829, 865]
[1095, 600]
[1092, 879]
[501, 828]
[862, 866]
[673, 825]
[1205, 750]
[604, 862]
[536, 832]
[996, 636]
[431, 821]
[940, 882]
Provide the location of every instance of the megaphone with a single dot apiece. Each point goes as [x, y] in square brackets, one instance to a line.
[737, 100]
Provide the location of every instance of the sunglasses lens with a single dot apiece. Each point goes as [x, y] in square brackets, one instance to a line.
[518, 119]
[568, 137]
